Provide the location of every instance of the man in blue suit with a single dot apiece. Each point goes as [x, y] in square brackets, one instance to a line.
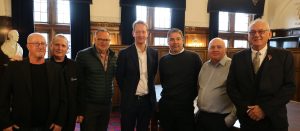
[261, 82]
[136, 69]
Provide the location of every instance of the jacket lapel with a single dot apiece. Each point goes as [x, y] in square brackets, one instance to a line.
[266, 63]
[134, 56]
[249, 63]
[149, 61]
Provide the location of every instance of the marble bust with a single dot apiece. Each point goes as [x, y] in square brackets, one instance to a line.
[11, 48]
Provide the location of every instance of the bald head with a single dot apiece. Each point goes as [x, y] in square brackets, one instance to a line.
[216, 40]
[216, 50]
[33, 36]
[36, 45]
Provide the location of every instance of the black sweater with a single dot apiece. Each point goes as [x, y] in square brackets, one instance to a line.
[178, 76]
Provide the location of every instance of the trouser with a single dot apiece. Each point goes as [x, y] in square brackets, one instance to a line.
[96, 117]
[173, 118]
[262, 125]
[36, 128]
[206, 121]
[138, 116]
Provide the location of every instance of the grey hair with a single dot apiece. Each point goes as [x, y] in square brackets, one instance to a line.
[259, 21]
[175, 30]
[101, 30]
[60, 36]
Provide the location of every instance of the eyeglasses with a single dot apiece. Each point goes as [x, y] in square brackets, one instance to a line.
[103, 40]
[260, 32]
[39, 44]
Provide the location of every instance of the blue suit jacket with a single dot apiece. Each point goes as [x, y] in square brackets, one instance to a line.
[128, 74]
[271, 88]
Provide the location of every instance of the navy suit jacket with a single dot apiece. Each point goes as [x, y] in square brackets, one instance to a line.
[128, 75]
[271, 88]
[16, 94]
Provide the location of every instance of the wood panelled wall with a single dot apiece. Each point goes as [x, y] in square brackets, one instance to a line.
[5, 26]
[194, 36]
[286, 32]
[202, 52]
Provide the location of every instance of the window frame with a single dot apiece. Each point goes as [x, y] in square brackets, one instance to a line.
[231, 34]
[52, 27]
[152, 31]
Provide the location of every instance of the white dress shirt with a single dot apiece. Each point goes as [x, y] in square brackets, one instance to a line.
[142, 88]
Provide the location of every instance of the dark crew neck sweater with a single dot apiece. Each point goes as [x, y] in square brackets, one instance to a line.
[178, 75]
[40, 95]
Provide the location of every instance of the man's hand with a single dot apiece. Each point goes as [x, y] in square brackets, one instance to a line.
[55, 127]
[79, 119]
[255, 113]
[11, 128]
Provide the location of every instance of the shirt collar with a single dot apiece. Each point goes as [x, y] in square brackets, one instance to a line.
[221, 62]
[262, 51]
[176, 53]
[139, 50]
[98, 53]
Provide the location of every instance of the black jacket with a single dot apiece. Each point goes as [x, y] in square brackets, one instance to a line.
[3, 62]
[16, 92]
[70, 73]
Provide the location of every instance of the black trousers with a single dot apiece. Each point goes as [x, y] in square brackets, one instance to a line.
[38, 128]
[262, 125]
[261, 129]
[70, 123]
[176, 118]
[96, 117]
[138, 116]
[210, 121]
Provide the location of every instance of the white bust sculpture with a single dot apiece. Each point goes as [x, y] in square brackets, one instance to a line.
[11, 48]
